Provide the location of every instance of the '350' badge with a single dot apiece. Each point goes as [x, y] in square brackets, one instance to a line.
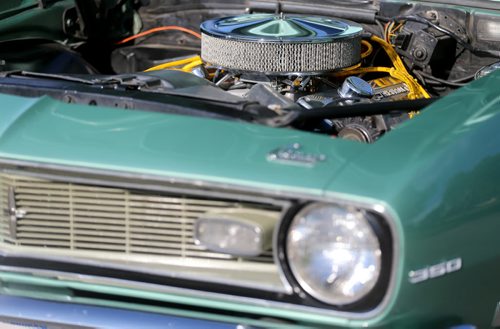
[435, 271]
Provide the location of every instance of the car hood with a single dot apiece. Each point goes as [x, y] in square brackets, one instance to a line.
[43, 130]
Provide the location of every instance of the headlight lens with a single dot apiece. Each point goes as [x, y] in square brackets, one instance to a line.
[333, 253]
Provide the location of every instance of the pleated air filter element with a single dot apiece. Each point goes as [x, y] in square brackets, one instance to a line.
[281, 44]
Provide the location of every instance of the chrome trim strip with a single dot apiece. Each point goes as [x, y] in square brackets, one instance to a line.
[11, 212]
[140, 181]
[134, 267]
[249, 193]
[122, 283]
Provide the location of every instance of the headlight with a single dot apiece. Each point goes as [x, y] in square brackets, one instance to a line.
[334, 253]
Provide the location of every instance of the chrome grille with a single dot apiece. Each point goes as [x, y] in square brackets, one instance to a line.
[95, 219]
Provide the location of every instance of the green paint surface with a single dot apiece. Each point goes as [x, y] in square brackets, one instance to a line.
[437, 174]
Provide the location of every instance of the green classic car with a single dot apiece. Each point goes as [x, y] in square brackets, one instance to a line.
[250, 164]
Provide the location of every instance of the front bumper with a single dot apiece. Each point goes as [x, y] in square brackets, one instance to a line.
[35, 313]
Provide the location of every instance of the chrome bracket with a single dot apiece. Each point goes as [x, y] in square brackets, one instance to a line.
[13, 213]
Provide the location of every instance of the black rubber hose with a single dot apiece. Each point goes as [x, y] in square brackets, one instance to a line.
[346, 111]
[366, 109]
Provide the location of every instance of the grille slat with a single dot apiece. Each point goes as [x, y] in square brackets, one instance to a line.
[96, 227]
[103, 240]
[157, 225]
[153, 243]
[99, 215]
[101, 246]
[45, 243]
[41, 235]
[161, 199]
[41, 229]
[161, 212]
[47, 220]
[140, 231]
[151, 218]
[81, 234]
[156, 237]
[99, 220]
[47, 210]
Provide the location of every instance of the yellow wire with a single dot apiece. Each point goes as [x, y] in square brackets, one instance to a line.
[387, 30]
[350, 68]
[169, 65]
[398, 71]
[369, 49]
[190, 66]
[361, 70]
[392, 72]
[416, 90]
[397, 27]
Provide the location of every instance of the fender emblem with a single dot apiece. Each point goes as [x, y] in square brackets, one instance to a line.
[435, 271]
[292, 154]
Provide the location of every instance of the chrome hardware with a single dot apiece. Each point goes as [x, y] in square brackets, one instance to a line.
[13, 212]
[354, 87]
[434, 271]
[292, 154]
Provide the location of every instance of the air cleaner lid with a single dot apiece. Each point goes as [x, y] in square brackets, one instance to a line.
[280, 28]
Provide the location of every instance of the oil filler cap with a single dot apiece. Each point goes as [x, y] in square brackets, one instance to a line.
[354, 87]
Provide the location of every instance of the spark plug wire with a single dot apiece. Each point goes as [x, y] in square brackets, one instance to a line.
[160, 29]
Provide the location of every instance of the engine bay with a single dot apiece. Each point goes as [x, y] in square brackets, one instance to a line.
[353, 70]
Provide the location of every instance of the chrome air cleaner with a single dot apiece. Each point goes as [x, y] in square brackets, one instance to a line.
[281, 44]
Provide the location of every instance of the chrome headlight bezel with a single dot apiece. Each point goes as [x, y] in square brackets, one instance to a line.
[371, 300]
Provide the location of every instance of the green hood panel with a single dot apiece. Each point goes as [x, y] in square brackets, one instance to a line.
[49, 131]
